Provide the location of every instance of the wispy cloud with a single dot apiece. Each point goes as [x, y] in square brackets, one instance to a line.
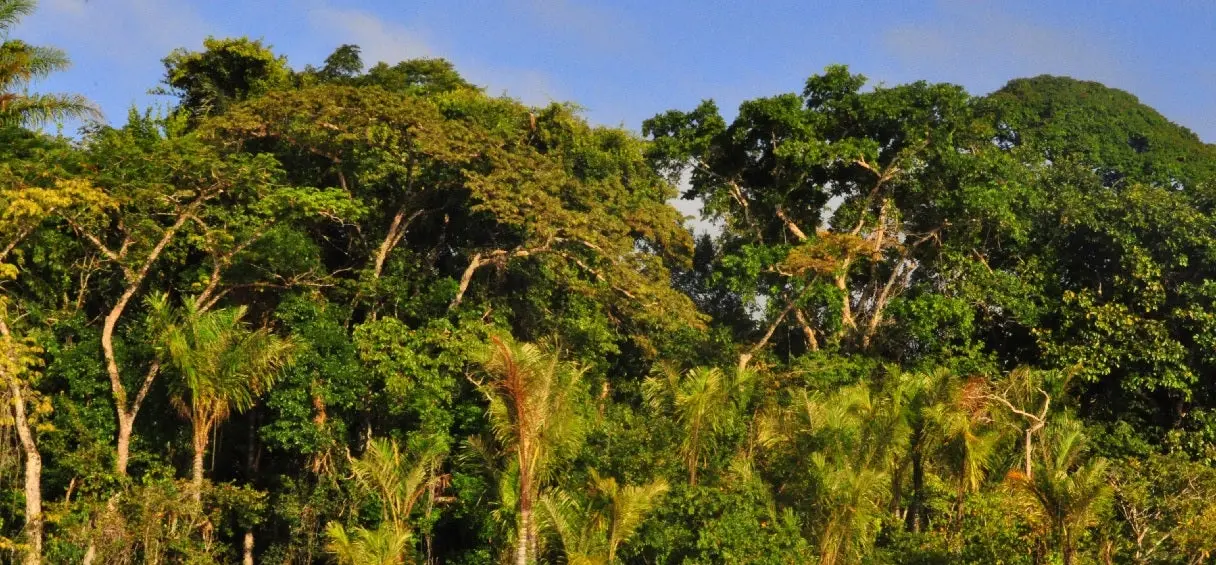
[115, 45]
[380, 40]
[123, 32]
[392, 42]
[597, 27]
[982, 45]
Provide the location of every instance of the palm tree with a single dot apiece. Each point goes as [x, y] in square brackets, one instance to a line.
[703, 401]
[1066, 490]
[21, 64]
[592, 532]
[383, 546]
[850, 501]
[855, 432]
[946, 416]
[533, 400]
[399, 483]
[223, 366]
[1026, 394]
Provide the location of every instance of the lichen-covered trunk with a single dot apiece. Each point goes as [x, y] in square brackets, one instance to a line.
[33, 508]
[123, 445]
[248, 559]
[33, 476]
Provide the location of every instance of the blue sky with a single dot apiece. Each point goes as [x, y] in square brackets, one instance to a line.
[627, 60]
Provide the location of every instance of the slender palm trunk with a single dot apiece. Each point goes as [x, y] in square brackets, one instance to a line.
[521, 548]
[200, 450]
[251, 464]
[916, 509]
[1068, 550]
[533, 538]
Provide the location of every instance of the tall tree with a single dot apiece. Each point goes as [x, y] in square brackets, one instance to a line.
[593, 531]
[467, 184]
[221, 364]
[1119, 251]
[1067, 488]
[399, 483]
[898, 165]
[19, 359]
[225, 72]
[174, 194]
[534, 413]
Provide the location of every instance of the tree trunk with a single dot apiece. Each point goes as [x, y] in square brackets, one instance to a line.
[533, 539]
[1029, 470]
[466, 278]
[521, 549]
[33, 505]
[1068, 549]
[126, 426]
[251, 468]
[196, 472]
[396, 231]
[248, 560]
[126, 408]
[33, 476]
[916, 509]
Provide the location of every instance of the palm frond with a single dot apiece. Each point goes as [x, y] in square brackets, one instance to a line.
[1066, 489]
[22, 63]
[382, 546]
[630, 505]
[39, 109]
[11, 12]
[398, 481]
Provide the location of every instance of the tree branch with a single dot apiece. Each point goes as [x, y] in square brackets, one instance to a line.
[109, 253]
[790, 225]
[807, 330]
[746, 357]
[135, 281]
[396, 231]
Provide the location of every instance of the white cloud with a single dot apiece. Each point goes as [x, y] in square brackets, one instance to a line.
[691, 209]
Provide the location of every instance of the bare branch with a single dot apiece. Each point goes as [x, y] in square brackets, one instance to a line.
[807, 330]
[396, 231]
[790, 225]
[746, 357]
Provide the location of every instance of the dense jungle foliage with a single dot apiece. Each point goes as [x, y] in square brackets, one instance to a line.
[376, 316]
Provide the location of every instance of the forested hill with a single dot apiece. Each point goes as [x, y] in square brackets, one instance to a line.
[340, 314]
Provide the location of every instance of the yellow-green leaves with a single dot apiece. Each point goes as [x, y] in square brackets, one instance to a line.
[24, 208]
